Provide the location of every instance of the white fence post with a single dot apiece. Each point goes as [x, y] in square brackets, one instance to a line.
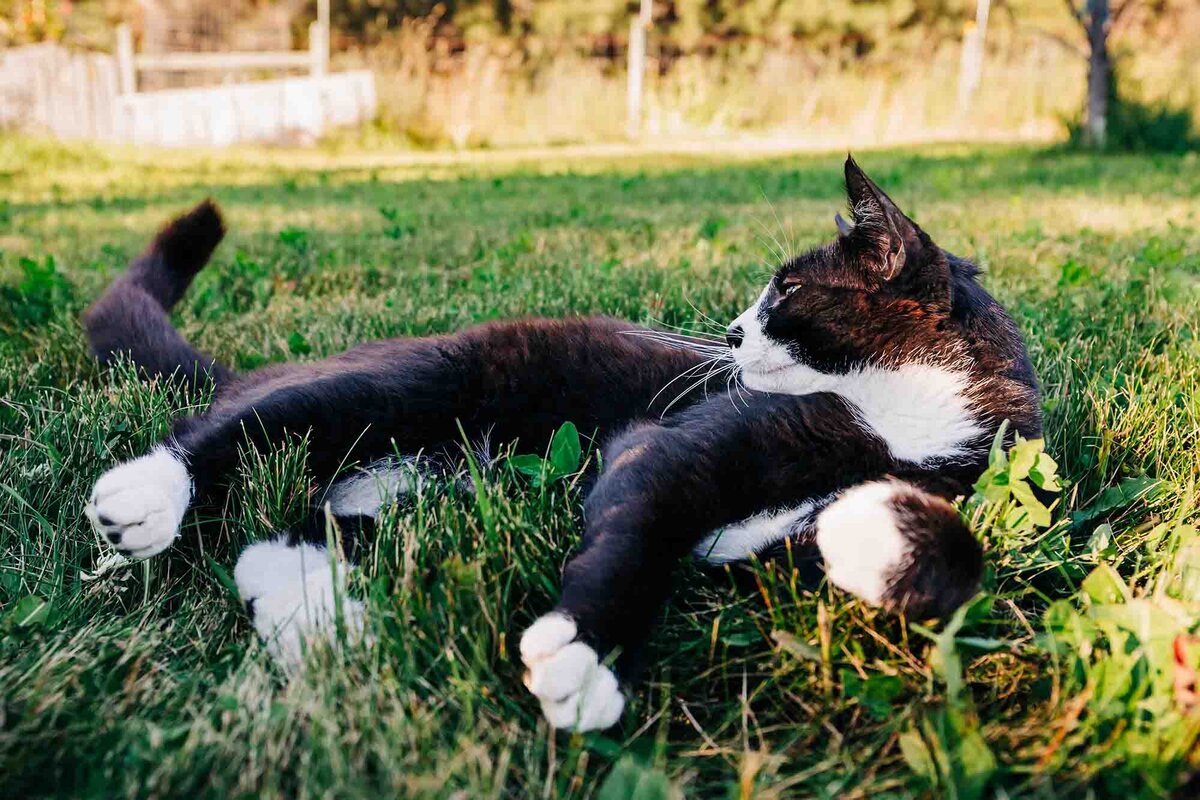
[971, 67]
[637, 67]
[126, 71]
[318, 48]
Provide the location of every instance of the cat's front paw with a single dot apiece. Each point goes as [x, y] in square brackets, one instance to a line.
[860, 537]
[576, 691]
[139, 505]
[898, 547]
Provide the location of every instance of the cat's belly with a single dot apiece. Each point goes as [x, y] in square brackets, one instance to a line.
[754, 534]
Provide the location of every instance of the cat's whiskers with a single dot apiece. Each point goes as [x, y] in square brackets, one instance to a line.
[676, 342]
[717, 327]
[700, 381]
[715, 334]
[731, 374]
[739, 384]
[687, 373]
[772, 244]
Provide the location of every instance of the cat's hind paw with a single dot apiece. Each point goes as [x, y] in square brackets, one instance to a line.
[296, 596]
[575, 690]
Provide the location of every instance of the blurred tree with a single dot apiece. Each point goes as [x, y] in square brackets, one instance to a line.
[25, 21]
[1097, 19]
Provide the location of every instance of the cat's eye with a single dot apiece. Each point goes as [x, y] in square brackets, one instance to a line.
[790, 289]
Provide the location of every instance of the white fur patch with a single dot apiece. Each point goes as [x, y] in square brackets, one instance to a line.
[919, 410]
[860, 540]
[297, 595]
[738, 542]
[575, 690]
[138, 506]
[366, 492]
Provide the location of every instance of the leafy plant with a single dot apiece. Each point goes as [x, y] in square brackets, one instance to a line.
[296, 238]
[1007, 485]
[562, 460]
[632, 780]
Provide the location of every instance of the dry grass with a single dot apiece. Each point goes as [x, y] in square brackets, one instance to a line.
[490, 95]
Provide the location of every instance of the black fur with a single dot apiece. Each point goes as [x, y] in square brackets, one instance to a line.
[880, 294]
[131, 317]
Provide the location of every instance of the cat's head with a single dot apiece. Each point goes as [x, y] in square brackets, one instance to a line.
[879, 295]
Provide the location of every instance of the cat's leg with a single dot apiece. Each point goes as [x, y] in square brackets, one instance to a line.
[347, 415]
[294, 584]
[896, 545]
[666, 487]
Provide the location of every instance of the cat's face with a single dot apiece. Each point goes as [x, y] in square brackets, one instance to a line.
[879, 295]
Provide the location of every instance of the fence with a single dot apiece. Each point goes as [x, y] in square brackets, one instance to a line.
[69, 95]
[94, 96]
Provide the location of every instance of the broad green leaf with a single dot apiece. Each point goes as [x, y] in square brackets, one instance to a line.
[30, 611]
[875, 693]
[917, 756]
[975, 761]
[632, 780]
[1116, 497]
[1038, 514]
[1100, 542]
[1104, 585]
[997, 491]
[528, 464]
[1045, 473]
[1021, 458]
[565, 450]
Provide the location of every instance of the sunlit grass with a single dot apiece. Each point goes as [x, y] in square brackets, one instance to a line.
[148, 681]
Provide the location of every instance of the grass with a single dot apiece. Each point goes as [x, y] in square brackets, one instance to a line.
[1068, 678]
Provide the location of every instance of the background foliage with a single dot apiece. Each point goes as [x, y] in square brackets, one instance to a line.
[496, 73]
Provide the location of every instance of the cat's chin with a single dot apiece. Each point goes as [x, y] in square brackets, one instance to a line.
[790, 378]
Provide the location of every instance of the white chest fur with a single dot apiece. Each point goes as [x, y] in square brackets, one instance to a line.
[920, 411]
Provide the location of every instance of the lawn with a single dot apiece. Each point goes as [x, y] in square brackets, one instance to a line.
[1068, 677]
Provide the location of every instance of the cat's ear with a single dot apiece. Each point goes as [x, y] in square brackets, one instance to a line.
[882, 238]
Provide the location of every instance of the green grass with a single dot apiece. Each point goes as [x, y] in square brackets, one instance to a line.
[148, 681]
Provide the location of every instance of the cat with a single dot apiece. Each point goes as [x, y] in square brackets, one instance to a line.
[873, 373]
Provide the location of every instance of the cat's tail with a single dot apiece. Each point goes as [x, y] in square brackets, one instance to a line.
[131, 316]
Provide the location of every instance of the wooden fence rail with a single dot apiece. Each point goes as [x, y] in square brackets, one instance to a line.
[72, 95]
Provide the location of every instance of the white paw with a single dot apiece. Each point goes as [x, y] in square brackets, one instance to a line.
[139, 505]
[296, 596]
[861, 540]
[576, 691]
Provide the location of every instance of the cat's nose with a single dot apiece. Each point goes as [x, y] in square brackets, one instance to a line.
[734, 336]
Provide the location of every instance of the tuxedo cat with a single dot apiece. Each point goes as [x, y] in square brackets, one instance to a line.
[872, 374]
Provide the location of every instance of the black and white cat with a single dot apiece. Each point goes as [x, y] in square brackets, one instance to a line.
[876, 370]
